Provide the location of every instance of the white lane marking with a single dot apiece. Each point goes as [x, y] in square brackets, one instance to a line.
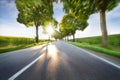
[25, 68]
[115, 65]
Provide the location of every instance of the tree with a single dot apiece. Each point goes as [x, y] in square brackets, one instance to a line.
[89, 7]
[70, 23]
[51, 24]
[57, 35]
[102, 6]
[67, 25]
[34, 13]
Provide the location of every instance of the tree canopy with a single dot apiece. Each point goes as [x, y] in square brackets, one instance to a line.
[56, 34]
[88, 7]
[70, 23]
[34, 12]
[40, 12]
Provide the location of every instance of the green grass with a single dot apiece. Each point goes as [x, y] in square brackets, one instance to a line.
[97, 48]
[15, 43]
[94, 43]
[114, 40]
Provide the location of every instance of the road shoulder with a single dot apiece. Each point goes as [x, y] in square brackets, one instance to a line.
[110, 58]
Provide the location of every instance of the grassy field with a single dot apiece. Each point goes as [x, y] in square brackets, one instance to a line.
[114, 40]
[94, 43]
[15, 43]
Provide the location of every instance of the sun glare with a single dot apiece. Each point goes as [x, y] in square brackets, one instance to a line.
[53, 53]
[50, 30]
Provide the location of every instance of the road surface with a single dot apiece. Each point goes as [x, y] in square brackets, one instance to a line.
[56, 61]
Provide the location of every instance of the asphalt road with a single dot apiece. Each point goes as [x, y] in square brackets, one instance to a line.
[56, 61]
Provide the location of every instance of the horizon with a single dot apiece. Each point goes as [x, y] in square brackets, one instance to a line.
[47, 38]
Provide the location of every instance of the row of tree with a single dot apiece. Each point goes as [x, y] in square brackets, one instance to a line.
[84, 8]
[40, 12]
[70, 23]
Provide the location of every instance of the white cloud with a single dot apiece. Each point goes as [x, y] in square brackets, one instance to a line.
[115, 12]
[58, 11]
[9, 5]
[58, 5]
[8, 9]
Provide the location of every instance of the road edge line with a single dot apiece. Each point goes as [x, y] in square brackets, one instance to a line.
[24, 68]
[107, 61]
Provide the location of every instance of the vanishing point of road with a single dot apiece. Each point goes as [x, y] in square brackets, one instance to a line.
[56, 61]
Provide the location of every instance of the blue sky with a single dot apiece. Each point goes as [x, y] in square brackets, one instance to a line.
[10, 27]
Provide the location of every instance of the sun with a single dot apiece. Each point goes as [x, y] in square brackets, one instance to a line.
[50, 30]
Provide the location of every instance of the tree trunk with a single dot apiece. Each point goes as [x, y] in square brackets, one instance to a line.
[49, 37]
[103, 28]
[37, 36]
[73, 37]
[67, 38]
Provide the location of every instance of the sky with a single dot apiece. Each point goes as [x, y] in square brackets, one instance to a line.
[10, 27]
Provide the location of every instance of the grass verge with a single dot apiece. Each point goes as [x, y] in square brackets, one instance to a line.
[17, 47]
[9, 43]
[97, 48]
